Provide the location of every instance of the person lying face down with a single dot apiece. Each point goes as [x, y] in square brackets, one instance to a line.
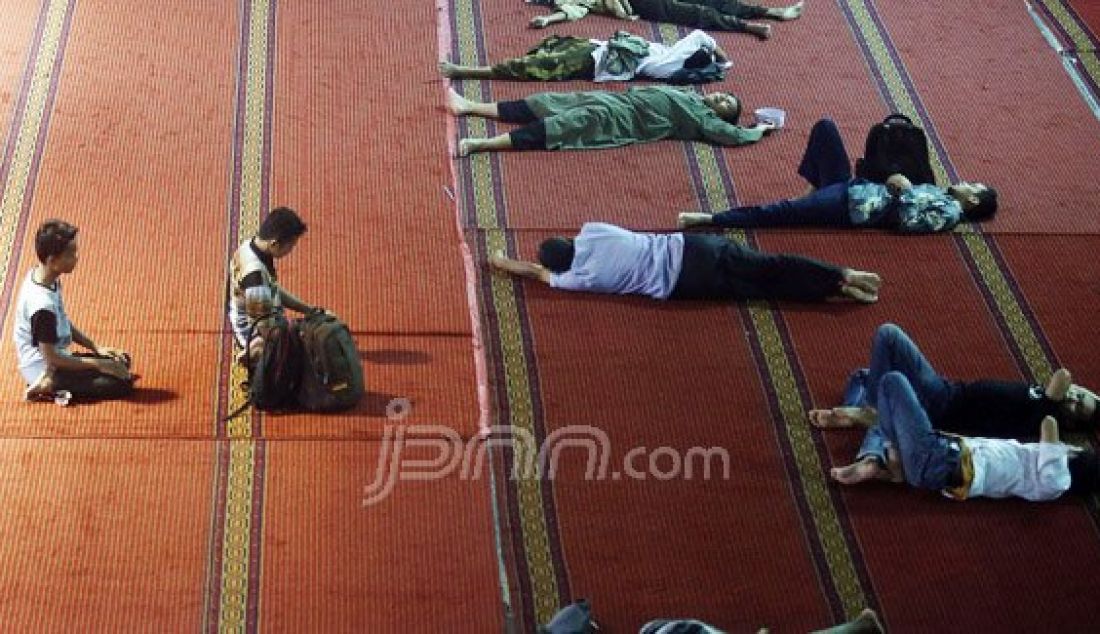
[605, 258]
[838, 200]
[718, 15]
[695, 58]
[598, 119]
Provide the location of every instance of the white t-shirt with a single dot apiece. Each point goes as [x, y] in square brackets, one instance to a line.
[661, 61]
[1006, 468]
[34, 297]
[610, 259]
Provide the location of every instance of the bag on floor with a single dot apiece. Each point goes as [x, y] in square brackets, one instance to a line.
[896, 146]
[332, 373]
[572, 619]
[273, 379]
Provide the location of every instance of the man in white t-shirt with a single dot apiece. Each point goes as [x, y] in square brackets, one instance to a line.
[964, 467]
[43, 333]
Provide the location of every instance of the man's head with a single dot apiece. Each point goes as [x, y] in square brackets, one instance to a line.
[556, 254]
[725, 104]
[281, 230]
[1084, 472]
[55, 245]
[1080, 406]
[978, 201]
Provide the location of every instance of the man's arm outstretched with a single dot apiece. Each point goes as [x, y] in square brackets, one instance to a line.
[529, 270]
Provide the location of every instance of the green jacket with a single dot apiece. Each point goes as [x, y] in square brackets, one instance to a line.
[597, 119]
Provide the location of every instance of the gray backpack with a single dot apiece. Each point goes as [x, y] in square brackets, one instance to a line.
[332, 373]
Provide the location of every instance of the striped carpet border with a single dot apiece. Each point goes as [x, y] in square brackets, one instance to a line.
[232, 602]
[26, 137]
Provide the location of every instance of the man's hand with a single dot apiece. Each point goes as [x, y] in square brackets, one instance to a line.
[766, 127]
[897, 183]
[113, 368]
[1048, 430]
[540, 22]
[1058, 385]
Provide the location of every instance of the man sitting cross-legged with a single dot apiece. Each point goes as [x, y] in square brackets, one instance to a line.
[44, 335]
[604, 258]
[838, 200]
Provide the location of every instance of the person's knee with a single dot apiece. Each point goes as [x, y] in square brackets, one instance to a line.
[887, 334]
[893, 383]
[825, 126]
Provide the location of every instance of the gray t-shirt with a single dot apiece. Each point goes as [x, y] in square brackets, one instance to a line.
[610, 259]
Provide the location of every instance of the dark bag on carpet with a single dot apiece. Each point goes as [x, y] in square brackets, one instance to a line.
[332, 373]
[896, 146]
[572, 619]
[273, 379]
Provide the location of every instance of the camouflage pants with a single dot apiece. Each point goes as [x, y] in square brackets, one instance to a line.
[555, 58]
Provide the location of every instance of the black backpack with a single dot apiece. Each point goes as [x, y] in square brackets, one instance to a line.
[273, 380]
[332, 372]
[896, 146]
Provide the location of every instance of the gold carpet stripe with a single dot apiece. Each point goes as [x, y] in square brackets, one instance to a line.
[26, 137]
[990, 274]
[514, 354]
[237, 530]
[781, 376]
[1079, 39]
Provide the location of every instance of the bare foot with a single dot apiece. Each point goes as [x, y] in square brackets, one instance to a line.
[857, 472]
[693, 219]
[836, 418]
[859, 294]
[863, 279]
[792, 12]
[448, 69]
[457, 104]
[761, 31]
[1059, 384]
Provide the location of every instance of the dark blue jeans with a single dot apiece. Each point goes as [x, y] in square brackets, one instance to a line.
[926, 457]
[825, 165]
[893, 352]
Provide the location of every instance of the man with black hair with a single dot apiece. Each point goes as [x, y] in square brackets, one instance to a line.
[254, 289]
[838, 200]
[44, 335]
[604, 258]
[597, 119]
[984, 408]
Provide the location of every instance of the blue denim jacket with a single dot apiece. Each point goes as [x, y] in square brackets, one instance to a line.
[920, 209]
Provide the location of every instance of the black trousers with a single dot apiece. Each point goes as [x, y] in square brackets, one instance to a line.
[715, 268]
[531, 136]
[91, 384]
[721, 15]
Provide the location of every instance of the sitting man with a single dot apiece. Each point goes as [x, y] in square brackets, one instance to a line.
[838, 200]
[986, 408]
[608, 259]
[695, 58]
[963, 467]
[43, 333]
[719, 15]
[255, 292]
[591, 120]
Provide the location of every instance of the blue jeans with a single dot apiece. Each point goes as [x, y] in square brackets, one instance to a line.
[926, 457]
[892, 351]
[826, 166]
